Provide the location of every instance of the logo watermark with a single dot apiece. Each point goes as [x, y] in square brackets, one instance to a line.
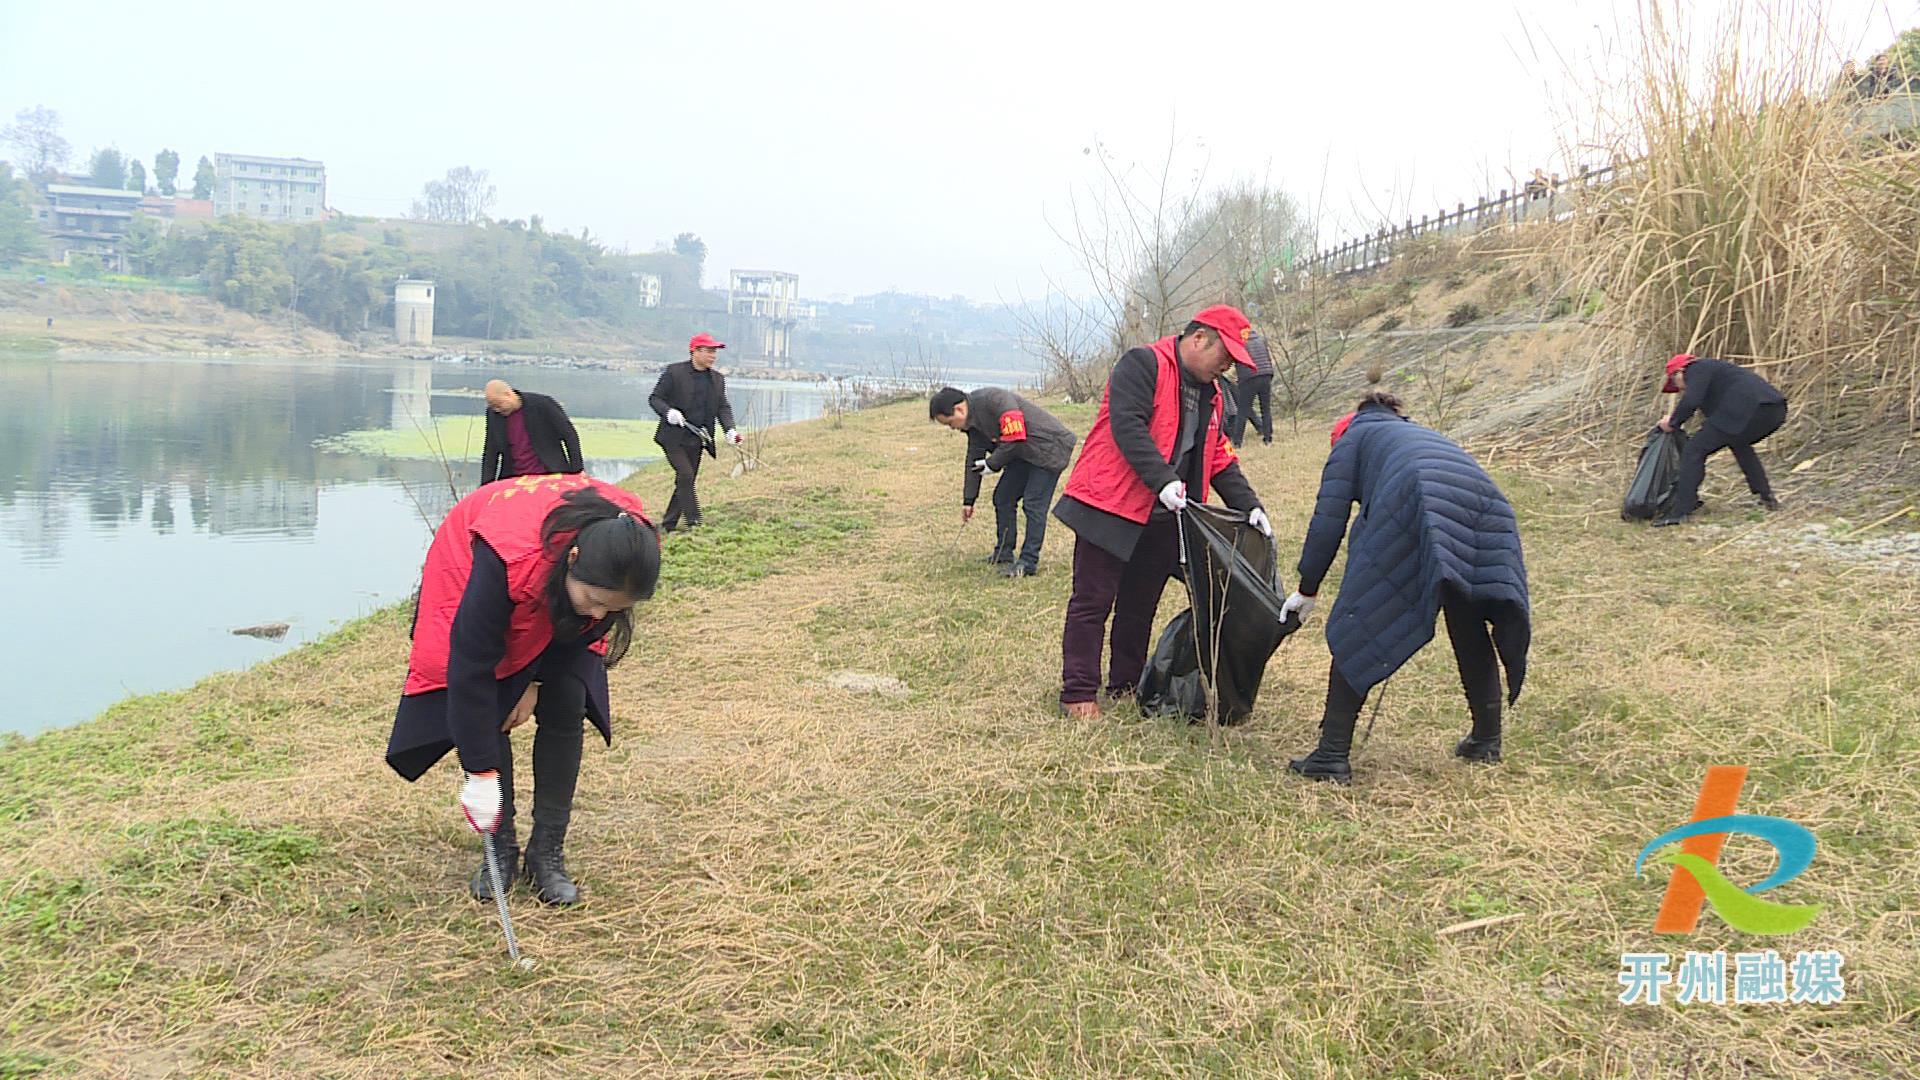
[1759, 978]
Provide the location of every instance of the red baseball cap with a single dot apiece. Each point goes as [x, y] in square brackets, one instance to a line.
[704, 340]
[1234, 329]
[1339, 429]
[1680, 360]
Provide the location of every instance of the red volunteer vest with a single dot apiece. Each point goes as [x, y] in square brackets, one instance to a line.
[1102, 478]
[507, 514]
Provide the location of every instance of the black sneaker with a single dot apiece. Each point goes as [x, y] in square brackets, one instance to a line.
[1666, 521]
[1769, 502]
[1018, 570]
[997, 559]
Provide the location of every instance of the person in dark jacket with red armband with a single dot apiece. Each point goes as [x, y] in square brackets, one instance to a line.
[1740, 407]
[1435, 535]
[1009, 435]
[1155, 444]
[524, 604]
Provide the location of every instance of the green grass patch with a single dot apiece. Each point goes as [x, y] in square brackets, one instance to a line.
[458, 438]
[211, 856]
[748, 538]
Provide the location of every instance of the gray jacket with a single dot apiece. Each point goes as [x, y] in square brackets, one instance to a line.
[1003, 426]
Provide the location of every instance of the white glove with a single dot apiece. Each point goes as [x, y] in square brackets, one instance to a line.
[979, 466]
[480, 800]
[1297, 604]
[1174, 495]
[676, 418]
[1258, 519]
[733, 436]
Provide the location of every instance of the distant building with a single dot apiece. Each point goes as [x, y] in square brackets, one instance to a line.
[274, 189]
[88, 221]
[184, 209]
[413, 311]
[649, 289]
[762, 305]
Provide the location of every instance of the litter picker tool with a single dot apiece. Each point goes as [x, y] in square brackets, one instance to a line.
[500, 900]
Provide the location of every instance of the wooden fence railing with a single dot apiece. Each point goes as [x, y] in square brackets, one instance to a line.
[1555, 201]
[1892, 118]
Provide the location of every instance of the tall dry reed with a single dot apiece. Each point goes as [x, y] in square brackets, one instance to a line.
[1763, 221]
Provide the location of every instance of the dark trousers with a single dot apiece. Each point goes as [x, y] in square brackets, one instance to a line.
[1472, 636]
[1022, 484]
[558, 713]
[1712, 439]
[685, 503]
[1129, 590]
[1258, 388]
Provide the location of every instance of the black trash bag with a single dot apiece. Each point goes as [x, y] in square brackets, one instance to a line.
[1172, 684]
[1651, 493]
[1231, 629]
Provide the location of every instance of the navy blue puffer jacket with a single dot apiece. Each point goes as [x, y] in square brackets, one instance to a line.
[1429, 515]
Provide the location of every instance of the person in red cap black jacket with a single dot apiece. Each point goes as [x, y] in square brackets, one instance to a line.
[1155, 444]
[1740, 407]
[690, 396]
[523, 606]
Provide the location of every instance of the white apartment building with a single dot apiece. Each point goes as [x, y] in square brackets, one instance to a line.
[274, 189]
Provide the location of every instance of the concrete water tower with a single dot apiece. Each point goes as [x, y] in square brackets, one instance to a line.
[413, 311]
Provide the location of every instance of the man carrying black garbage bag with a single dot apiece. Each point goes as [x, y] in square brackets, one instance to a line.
[1740, 407]
[1155, 444]
[1009, 435]
[1434, 535]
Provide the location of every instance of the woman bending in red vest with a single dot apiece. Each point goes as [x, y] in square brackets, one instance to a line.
[524, 605]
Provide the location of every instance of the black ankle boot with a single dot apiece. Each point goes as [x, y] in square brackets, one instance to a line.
[1323, 764]
[547, 866]
[508, 849]
[1483, 743]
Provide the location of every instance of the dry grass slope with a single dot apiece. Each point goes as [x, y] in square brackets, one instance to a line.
[787, 879]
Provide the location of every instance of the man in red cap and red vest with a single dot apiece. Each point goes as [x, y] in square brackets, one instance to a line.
[1740, 407]
[1156, 443]
[689, 397]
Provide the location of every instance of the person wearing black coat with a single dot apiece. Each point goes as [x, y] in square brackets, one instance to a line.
[690, 397]
[1740, 408]
[1435, 535]
[528, 434]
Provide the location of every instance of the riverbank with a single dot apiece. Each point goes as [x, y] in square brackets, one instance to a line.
[785, 877]
[107, 320]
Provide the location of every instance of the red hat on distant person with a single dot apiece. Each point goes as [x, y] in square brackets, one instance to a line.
[1680, 360]
[704, 340]
[1340, 428]
[1234, 329]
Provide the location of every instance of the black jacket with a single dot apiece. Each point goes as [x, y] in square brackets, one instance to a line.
[554, 440]
[701, 397]
[1003, 426]
[1130, 394]
[1727, 394]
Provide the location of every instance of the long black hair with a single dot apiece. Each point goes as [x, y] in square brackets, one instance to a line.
[618, 550]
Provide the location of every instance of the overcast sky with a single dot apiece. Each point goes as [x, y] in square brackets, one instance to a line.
[864, 147]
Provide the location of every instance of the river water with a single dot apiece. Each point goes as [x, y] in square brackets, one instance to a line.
[148, 507]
